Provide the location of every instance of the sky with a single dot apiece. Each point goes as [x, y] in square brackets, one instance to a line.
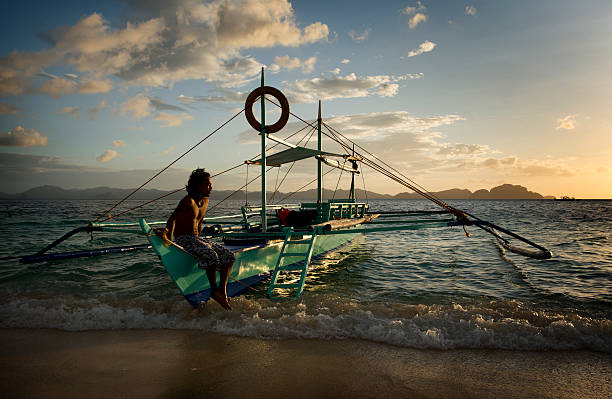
[454, 94]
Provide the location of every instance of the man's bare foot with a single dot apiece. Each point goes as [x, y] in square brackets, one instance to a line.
[221, 299]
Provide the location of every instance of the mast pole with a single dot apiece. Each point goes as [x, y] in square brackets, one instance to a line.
[264, 220]
[352, 193]
[319, 166]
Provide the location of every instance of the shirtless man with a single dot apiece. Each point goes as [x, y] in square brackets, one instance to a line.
[186, 225]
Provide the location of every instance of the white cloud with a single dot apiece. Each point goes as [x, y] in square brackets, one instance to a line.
[223, 95]
[9, 109]
[292, 63]
[20, 137]
[359, 37]
[385, 124]
[165, 152]
[138, 107]
[349, 86]
[471, 10]
[567, 122]
[417, 12]
[108, 155]
[170, 42]
[345, 61]
[141, 106]
[172, 120]
[91, 86]
[414, 9]
[417, 19]
[513, 166]
[424, 47]
[462, 149]
[72, 111]
[57, 87]
[118, 143]
[101, 105]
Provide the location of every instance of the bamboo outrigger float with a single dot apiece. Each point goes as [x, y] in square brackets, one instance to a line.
[266, 241]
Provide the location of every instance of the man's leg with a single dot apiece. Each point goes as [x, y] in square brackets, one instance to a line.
[225, 272]
[211, 273]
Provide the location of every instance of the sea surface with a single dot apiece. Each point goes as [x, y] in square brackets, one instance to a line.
[430, 288]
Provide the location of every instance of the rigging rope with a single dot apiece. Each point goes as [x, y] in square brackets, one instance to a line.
[243, 186]
[292, 164]
[365, 191]
[384, 168]
[98, 219]
[338, 182]
[305, 185]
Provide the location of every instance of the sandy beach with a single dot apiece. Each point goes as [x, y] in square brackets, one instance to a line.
[180, 364]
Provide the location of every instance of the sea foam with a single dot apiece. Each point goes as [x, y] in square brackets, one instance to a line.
[499, 324]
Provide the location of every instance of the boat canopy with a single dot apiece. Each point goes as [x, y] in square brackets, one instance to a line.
[292, 155]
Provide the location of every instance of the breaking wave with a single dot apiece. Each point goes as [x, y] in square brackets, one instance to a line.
[492, 324]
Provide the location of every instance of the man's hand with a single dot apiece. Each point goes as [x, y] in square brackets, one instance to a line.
[163, 234]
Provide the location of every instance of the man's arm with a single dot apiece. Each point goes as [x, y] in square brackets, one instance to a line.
[202, 215]
[184, 213]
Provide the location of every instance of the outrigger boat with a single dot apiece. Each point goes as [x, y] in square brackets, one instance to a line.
[278, 242]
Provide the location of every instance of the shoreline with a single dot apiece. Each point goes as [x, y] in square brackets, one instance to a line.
[47, 363]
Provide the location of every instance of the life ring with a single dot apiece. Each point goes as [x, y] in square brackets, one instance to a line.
[280, 97]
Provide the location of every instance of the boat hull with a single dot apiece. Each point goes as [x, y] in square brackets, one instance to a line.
[253, 263]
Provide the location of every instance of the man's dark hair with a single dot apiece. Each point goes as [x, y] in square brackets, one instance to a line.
[196, 179]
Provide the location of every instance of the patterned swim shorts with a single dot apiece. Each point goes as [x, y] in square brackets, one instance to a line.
[208, 253]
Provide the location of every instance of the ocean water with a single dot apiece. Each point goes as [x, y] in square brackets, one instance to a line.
[431, 288]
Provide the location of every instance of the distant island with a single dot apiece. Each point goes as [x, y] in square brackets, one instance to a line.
[505, 191]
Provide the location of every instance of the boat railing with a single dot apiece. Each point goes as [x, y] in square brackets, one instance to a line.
[337, 209]
[249, 211]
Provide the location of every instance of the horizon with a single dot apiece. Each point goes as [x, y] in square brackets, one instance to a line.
[472, 94]
[410, 192]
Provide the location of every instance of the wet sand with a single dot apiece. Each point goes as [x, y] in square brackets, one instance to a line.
[187, 364]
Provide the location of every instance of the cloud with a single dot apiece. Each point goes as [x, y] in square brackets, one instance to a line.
[108, 155]
[167, 43]
[94, 111]
[159, 105]
[462, 149]
[20, 137]
[118, 143]
[141, 106]
[417, 19]
[57, 87]
[165, 152]
[292, 63]
[512, 166]
[172, 120]
[9, 109]
[414, 9]
[222, 96]
[349, 86]
[138, 107]
[471, 10]
[417, 14]
[72, 111]
[345, 61]
[385, 124]
[424, 47]
[567, 122]
[359, 37]
[91, 86]
[602, 169]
